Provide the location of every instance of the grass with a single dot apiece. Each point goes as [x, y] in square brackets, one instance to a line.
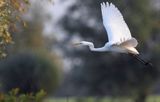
[155, 98]
[89, 99]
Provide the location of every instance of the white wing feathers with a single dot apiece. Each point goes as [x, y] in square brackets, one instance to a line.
[114, 23]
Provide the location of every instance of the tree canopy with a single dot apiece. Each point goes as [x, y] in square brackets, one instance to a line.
[10, 13]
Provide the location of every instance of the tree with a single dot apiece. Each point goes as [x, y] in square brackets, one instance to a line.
[29, 61]
[8, 11]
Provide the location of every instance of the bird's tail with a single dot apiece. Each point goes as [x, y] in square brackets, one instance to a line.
[146, 63]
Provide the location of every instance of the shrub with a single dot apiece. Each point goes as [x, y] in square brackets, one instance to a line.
[29, 72]
[13, 96]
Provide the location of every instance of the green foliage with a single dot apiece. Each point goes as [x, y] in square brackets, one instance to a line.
[14, 96]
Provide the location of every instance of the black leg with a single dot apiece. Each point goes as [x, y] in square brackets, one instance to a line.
[146, 63]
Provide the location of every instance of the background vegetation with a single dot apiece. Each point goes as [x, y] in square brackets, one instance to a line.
[36, 62]
[113, 74]
[30, 70]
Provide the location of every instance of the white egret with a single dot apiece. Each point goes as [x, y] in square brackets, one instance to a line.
[119, 35]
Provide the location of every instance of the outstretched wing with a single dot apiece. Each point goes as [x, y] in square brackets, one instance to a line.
[114, 23]
[129, 43]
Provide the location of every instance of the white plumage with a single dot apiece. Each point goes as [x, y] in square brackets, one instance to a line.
[114, 23]
[119, 35]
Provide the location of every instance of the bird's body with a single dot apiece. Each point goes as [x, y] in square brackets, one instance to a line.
[111, 47]
[119, 36]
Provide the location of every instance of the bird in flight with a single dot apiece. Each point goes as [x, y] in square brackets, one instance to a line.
[119, 35]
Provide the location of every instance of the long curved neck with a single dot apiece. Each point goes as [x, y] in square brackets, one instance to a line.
[92, 48]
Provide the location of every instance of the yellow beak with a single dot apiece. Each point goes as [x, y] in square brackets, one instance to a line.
[76, 44]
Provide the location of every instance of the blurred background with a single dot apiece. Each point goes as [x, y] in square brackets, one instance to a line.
[43, 55]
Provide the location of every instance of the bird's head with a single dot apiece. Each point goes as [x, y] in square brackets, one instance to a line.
[90, 44]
